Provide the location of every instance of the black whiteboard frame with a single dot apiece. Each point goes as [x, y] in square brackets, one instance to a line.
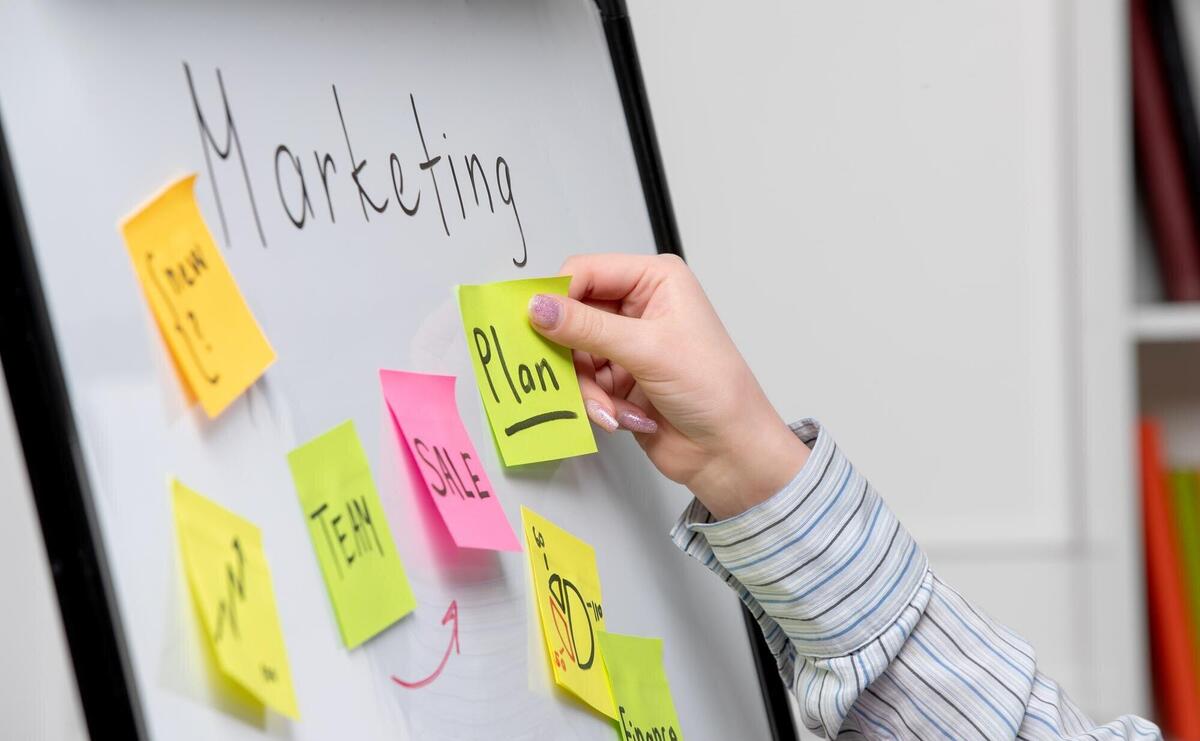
[50, 443]
[628, 70]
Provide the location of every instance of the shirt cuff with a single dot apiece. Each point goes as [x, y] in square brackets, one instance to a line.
[824, 565]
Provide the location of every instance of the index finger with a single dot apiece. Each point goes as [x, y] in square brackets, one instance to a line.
[614, 277]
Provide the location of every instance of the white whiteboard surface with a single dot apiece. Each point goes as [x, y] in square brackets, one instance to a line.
[98, 115]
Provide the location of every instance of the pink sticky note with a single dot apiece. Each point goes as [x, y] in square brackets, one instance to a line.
[424, 408]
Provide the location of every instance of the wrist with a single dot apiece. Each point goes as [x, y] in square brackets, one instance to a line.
[753, 467]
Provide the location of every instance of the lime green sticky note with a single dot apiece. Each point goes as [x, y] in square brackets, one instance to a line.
[366, 581]
[1184, 485]
[528, 384]
[639, 687]
[231, 585]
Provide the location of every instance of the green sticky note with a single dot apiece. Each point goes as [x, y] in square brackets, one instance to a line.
[1186, 489]
[639, 687]
[528, 384]
[366, 581]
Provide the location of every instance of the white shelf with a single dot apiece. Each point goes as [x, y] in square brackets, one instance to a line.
[1167, 323]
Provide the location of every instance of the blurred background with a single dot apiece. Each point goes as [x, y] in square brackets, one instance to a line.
[924, 223]
[921, 222]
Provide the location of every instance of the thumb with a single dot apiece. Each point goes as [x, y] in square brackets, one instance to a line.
[581, 327]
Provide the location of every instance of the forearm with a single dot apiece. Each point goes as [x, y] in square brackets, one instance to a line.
[864, 634]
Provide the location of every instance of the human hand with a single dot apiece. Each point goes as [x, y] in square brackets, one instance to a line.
[653, 358]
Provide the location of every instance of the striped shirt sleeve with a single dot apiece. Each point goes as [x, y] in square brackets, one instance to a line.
[868, 639]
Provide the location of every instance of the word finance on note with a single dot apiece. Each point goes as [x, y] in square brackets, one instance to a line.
[645, 710]
[528, 384]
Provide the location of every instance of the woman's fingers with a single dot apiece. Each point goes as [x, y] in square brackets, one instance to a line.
[617, 277]
[605, 411]
[638, 415]
[599, 407]
[612, 307]
[632, 417]
[612, 347]
[614, 379]
[578, 326]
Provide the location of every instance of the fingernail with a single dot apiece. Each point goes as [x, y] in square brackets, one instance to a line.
[545, 311]
[637, 423]
[600, 416]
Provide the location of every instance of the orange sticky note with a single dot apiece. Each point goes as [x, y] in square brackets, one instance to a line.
[215, 342]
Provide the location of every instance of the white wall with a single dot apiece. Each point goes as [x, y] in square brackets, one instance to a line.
[38, 697]
[879, 199]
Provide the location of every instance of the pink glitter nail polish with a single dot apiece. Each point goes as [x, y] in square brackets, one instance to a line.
[637, 423]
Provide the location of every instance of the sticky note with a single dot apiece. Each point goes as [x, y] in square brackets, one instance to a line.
[366, 581]
[215, 343]
[528, 384]
[567, 590]
[423, 406]
[639, 687]
[231, 585]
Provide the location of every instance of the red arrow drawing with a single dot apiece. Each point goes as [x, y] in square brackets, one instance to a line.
[451, 614]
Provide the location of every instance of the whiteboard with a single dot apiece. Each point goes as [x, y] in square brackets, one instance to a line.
[98, 114]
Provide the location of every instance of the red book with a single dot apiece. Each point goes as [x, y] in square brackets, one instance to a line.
[1161, 165]
[1176, 686]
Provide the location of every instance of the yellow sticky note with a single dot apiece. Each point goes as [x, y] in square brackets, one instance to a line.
[639, 687]
[528, 384]
[567, 590]
[231, 584]
[362, 570]
[215, 342]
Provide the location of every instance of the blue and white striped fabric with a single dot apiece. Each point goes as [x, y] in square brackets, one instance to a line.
[871, 642]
